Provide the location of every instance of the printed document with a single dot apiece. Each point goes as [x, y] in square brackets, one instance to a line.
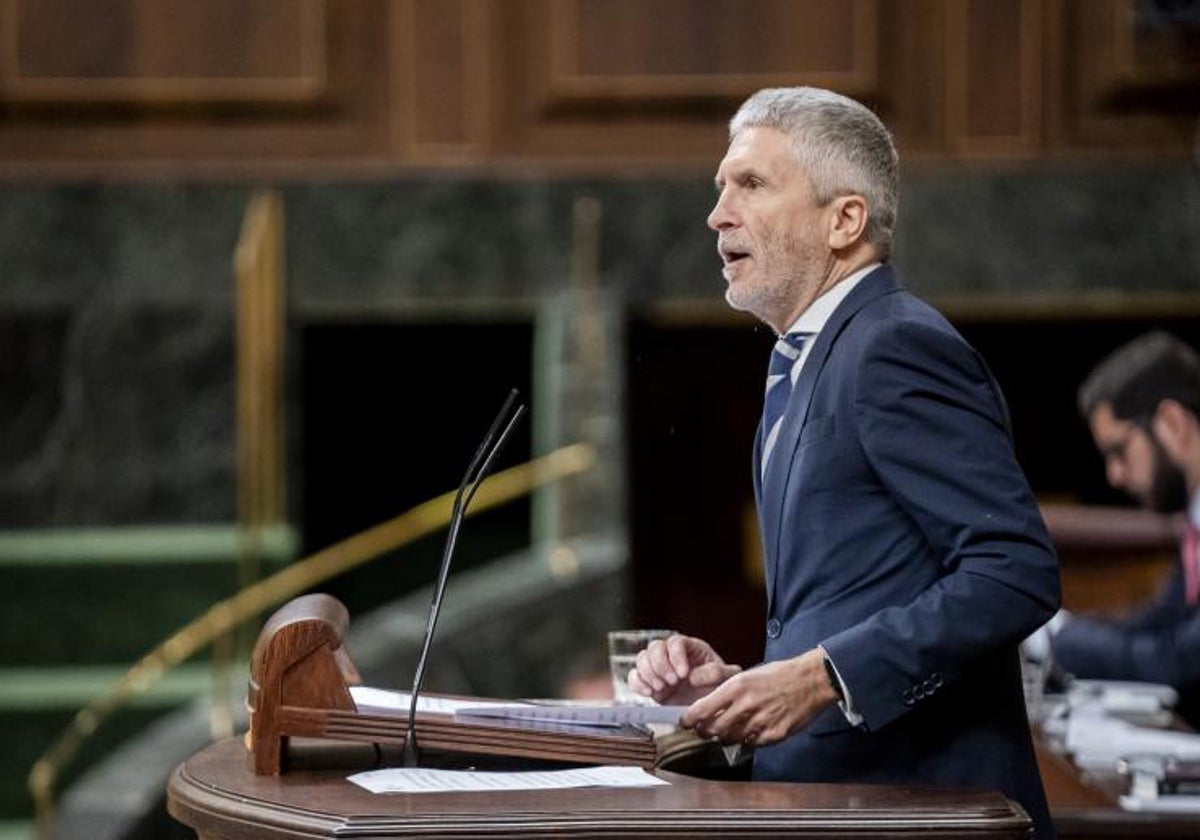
[418, 780]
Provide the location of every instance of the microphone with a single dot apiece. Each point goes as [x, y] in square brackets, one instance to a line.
[480, 466]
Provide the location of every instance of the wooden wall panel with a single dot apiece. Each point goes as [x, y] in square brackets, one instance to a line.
[645, 81]
[698, 49]
[441, 50]
[993, 76]
[912, 85]
[591, 85]
[1120, 84]
[185, 85]
[163, 52]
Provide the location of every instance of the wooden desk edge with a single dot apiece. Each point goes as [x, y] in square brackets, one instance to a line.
[234, 804]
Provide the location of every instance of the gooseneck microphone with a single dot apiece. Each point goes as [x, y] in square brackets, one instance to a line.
[481, 464]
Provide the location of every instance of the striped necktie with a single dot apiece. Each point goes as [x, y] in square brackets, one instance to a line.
[779, 386]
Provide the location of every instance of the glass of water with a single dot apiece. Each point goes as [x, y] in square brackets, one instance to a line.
[623, 648]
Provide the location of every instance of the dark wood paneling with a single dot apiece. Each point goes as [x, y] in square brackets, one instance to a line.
[1119, 86]
[912, 77]
[587, 84]
[165, 51]
[181, 83]
[441, 50]
[630, 49]
[993, 76]
[600, 79]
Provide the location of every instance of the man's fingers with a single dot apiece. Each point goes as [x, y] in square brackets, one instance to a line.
[729, 724]
[712, 673]
[680, 655]
[637, 684]
[651, 665]
[731, 713]
[700, 714]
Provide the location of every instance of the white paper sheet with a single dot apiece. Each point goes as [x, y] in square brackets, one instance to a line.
[1098, 741]
[419, 780]
[399, 701]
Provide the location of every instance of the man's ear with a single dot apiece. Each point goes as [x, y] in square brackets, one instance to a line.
[848, 221]
[1176, 429]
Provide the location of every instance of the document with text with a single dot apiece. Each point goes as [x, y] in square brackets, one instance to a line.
[418, 780]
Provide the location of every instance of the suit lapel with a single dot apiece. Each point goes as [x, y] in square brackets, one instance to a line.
[779, 468]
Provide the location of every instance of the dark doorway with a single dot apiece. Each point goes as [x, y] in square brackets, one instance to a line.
[391, 416]
[1040, 365]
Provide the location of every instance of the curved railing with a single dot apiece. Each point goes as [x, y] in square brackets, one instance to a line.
[225, 616]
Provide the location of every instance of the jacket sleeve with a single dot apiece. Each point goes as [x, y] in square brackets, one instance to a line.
[1165, 610]
[1159, 643]
[933, 426]
[1104, 650]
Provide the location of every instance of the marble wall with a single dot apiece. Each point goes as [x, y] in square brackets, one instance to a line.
[116, 323]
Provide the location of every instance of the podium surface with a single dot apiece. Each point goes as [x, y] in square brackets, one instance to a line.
[217, 794]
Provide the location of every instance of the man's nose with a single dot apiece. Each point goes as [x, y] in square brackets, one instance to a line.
[720, 218]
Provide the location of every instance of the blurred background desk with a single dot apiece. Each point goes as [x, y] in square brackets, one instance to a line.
[1084, 805]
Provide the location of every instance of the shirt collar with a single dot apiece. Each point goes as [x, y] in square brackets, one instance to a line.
[1193, 512]
[813, 319]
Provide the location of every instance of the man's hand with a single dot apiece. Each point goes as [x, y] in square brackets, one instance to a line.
[765, 704]
[679, 670]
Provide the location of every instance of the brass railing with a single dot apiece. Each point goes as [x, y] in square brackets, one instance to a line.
[226, 616]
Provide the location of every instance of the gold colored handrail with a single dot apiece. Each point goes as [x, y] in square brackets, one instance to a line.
[224, 616]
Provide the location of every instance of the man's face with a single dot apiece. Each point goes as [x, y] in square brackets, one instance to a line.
[1135, 462]
[770, 231]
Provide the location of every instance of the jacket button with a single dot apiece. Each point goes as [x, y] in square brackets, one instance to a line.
[774, 628]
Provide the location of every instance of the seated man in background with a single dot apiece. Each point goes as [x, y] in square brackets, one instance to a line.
[1143, 406]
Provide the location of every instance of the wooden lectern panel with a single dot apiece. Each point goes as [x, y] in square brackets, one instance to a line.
[300, 678]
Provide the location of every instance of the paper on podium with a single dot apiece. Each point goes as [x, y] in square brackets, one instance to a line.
[378, 699]
[579, 715]
[420, 780]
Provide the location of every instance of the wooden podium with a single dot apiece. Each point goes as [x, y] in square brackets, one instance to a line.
[218, 795]
[288, 779]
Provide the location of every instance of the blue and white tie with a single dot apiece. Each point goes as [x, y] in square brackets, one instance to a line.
[784, 355]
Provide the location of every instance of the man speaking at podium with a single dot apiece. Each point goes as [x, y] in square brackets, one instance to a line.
[905, 556]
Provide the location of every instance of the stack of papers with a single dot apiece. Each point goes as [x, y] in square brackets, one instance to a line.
[1148, 703]
[1098, 741]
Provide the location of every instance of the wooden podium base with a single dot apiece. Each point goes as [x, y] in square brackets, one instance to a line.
[218, 795]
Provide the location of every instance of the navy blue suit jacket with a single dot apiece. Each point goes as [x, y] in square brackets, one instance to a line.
[1159, 643]
[900, 534]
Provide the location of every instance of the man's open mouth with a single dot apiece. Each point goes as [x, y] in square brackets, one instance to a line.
[730, 256]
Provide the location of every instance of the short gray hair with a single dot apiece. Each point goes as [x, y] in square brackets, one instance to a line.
[843, 147]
